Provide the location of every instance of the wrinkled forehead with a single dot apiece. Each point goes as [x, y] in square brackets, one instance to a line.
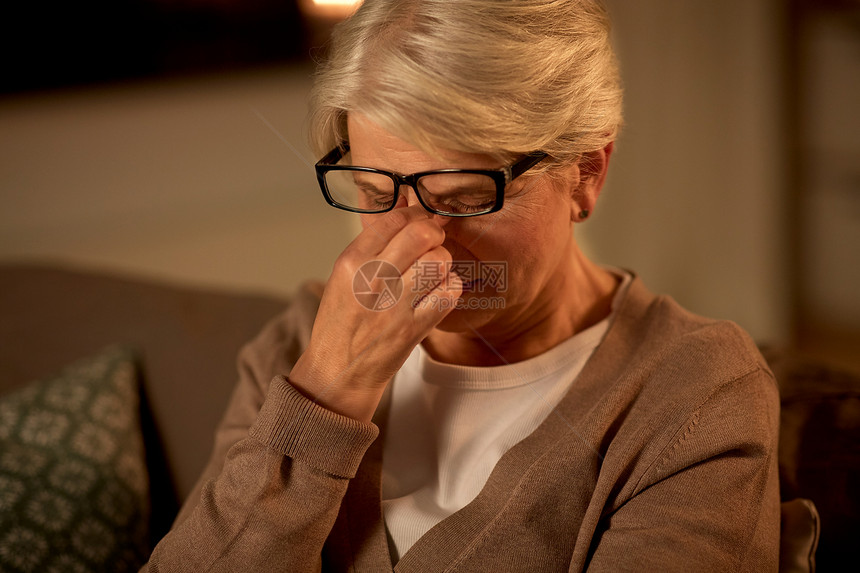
[374, 146]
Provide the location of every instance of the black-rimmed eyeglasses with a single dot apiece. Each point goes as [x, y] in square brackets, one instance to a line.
[450, 192]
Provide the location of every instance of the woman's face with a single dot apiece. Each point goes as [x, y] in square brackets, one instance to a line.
[516, 263]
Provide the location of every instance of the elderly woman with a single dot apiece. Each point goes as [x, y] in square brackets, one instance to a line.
[468, 391]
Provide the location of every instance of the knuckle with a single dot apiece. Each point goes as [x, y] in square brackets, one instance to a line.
[425, 233]
[347, 262]
[440, 256]
[444, 256]
[398, 218]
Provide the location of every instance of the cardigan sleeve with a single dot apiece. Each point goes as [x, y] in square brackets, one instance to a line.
[277, 496]
[279, 468]
[272, 352]
[710, 500]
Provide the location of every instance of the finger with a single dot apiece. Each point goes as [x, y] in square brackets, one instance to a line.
[430, 308]
[369, 245]
[431, 272]
[380, 229]
[413, 242]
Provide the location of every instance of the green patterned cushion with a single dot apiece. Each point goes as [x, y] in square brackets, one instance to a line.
[74, 491]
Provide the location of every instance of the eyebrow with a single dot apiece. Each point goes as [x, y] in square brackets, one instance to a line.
[366, 185]
[453, 188]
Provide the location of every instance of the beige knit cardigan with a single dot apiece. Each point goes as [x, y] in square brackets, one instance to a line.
[661, 457]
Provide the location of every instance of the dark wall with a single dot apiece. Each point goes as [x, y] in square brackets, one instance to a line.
[54, 43]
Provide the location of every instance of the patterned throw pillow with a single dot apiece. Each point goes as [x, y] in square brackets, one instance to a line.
[74, 490]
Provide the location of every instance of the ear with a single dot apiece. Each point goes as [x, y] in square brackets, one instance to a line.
[592, 169]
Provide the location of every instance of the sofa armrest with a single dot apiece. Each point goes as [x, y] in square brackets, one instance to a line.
[799, 529]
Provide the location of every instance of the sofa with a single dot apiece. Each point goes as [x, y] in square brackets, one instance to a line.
[167, 353]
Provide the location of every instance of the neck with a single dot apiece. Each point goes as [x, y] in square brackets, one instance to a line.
[569, 303]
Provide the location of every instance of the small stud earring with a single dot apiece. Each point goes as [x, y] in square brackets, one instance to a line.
[584, 214]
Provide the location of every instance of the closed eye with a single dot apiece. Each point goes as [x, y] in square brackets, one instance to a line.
[373, 195]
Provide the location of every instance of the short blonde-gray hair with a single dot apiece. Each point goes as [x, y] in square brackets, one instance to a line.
[501, 77]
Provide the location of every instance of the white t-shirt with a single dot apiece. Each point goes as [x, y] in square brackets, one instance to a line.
[450, 424]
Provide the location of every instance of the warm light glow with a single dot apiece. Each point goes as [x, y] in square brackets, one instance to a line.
[349, 3]
[329, 9]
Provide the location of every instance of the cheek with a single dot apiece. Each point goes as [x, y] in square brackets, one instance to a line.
[528, 246]
[543, 223]
[541, 242]
[527, 233]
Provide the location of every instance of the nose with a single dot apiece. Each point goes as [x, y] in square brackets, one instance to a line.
[408, 198]
[408, 192]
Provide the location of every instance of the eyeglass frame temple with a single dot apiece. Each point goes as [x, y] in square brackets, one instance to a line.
[525, 163]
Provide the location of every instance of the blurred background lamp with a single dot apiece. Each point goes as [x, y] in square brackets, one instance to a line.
[331, 9]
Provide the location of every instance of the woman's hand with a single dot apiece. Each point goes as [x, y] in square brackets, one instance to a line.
[354, 351]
